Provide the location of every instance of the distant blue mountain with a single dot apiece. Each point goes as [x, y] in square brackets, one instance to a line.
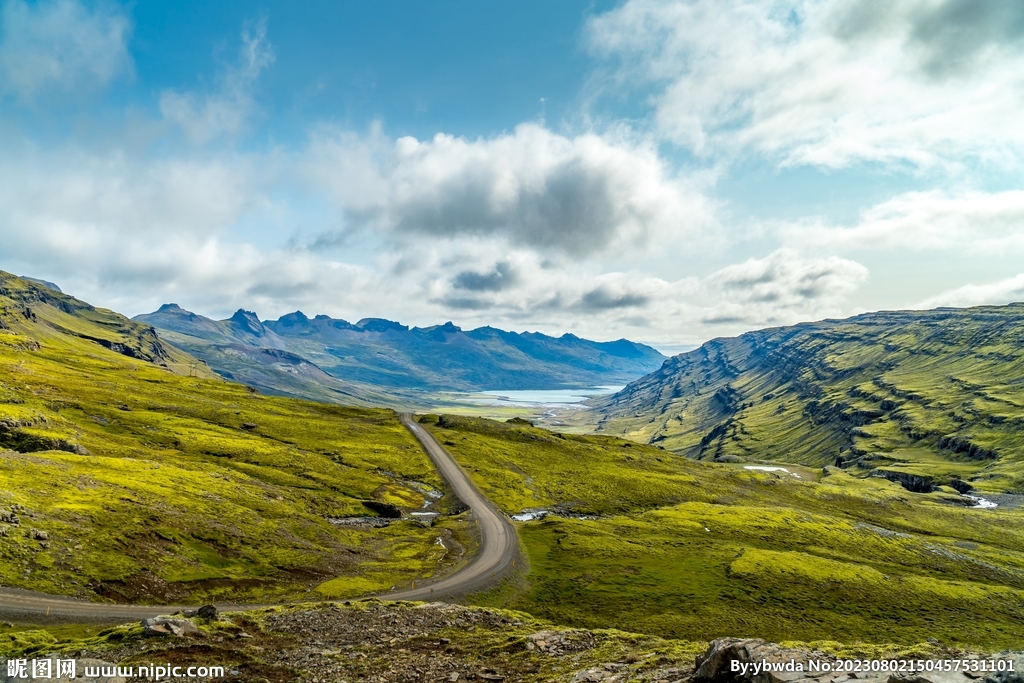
[389, 355]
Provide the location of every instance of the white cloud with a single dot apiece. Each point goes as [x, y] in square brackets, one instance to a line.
[577, 195]
[227, 111]
[60, 45]
[1005, 291]
[830, 82]
[782, 288]
[967, 222]
[131, 233]
[119, 196]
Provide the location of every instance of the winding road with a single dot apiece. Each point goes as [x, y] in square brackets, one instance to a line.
[495, 559]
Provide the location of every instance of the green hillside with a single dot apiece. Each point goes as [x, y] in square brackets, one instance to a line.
[924, 397]
[645, 540]
[134, 474]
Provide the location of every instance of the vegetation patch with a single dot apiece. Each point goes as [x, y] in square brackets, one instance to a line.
[705, 550]
[128, 472]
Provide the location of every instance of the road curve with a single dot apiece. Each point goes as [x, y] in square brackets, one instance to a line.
[499, 545]
[495, 559]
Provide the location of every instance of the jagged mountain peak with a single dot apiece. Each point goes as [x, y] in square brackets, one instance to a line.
[242, 315]
[381, 325]
[386, 353]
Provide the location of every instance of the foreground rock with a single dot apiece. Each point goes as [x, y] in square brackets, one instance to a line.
[381, 642]
[168, 626]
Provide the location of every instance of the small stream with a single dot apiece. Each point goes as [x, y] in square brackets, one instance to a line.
[981, 503]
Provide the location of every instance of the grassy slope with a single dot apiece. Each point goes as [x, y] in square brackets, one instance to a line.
[932, 393]
[698, 550]
[177, 500]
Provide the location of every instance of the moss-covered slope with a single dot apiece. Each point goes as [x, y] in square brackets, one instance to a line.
[645, 540]
[926, 397]
[125, 476]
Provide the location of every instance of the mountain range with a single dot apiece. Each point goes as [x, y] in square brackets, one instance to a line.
[324, 357]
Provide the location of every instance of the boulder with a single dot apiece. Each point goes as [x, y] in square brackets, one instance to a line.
[168, 626]
[208, 612]
[715, 663]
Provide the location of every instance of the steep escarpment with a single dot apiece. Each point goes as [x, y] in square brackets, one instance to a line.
[927, 393]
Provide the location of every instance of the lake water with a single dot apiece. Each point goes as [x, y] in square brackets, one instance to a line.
[561, 398]
[766, 468]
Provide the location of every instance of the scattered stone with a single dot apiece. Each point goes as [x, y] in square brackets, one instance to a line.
[168, 626]
[383, 642]
[39, 535]
[249, 425]
[598, 674]
[373, 522]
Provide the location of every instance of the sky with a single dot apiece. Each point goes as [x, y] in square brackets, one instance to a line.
[668, 171]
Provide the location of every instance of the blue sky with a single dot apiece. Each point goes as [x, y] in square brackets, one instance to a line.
[663, 170]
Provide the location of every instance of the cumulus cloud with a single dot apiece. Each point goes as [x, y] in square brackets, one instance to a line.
[532, 228]
[782, 288]
[577, 195]
[132, 233]
[61, 46]
[502, 276]
[203, 118]
[1005, 291]
[828, 83]
[974, 221]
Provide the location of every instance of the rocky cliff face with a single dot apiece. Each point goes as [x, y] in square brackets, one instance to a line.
[889, 390]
